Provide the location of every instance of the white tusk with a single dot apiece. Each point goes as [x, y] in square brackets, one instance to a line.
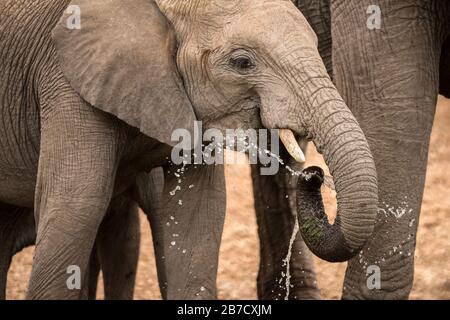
[291, 144]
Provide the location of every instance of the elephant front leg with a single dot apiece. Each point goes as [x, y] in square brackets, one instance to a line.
[389, 77]
[77, 165]
[17, 231]
[90, 290]
[149, 194]
[118, 243]
[286, 268]
[6, 243]
[5, 262]
[187, 226]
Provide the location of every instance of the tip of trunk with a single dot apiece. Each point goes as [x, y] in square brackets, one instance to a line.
[324, 240]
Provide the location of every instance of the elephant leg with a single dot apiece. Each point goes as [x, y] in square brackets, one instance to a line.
[389, 78]
[93, 275]
[7, 234]
[17, 231]
[79, 153]
[187, 229]
[444, 69]
[286, 268]
[118, 242]
[5, 261]
[149, 190]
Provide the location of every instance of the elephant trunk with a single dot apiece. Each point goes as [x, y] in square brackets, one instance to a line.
[337, 135]
[325, 118]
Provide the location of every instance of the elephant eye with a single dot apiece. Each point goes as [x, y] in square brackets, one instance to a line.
[241, 63]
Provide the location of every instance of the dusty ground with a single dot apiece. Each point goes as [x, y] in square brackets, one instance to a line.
[239, 253]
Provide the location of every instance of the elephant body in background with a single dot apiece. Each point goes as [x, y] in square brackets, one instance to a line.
[390, 77]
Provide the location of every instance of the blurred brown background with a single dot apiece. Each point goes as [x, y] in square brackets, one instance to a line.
[239, 252]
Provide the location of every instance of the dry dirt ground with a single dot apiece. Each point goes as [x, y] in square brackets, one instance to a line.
[239, 252]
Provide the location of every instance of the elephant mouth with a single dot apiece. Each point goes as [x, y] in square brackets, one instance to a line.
[250, 109]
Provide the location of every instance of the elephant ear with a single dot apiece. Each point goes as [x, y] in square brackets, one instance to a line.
[121, 59]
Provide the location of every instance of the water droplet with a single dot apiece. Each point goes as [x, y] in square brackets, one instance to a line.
[174, 191]
[287, 260]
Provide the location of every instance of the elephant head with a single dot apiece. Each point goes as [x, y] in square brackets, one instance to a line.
[229, 63]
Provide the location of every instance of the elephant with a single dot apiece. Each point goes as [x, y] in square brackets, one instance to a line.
[98, 89]
[390, 72]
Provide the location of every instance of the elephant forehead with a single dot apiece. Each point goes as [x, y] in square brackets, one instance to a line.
[271, 25]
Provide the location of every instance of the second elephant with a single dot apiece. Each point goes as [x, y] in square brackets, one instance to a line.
[389, 60]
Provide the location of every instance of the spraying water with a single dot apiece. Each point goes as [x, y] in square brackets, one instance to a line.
[328, 183]
[287, 260]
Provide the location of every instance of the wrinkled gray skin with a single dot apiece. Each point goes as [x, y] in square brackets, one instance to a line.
[86, 112]
[275, 212]
[116, 250]
[390, 79]
[275, 215]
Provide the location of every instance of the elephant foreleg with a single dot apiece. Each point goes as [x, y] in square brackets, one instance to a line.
[444, 69]
[79, 155]
[17, 231]
[5, 261]
[90, 290]
[149, 190]
[117, 244]
[286, 268]
[187, 229]
[389, 78]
